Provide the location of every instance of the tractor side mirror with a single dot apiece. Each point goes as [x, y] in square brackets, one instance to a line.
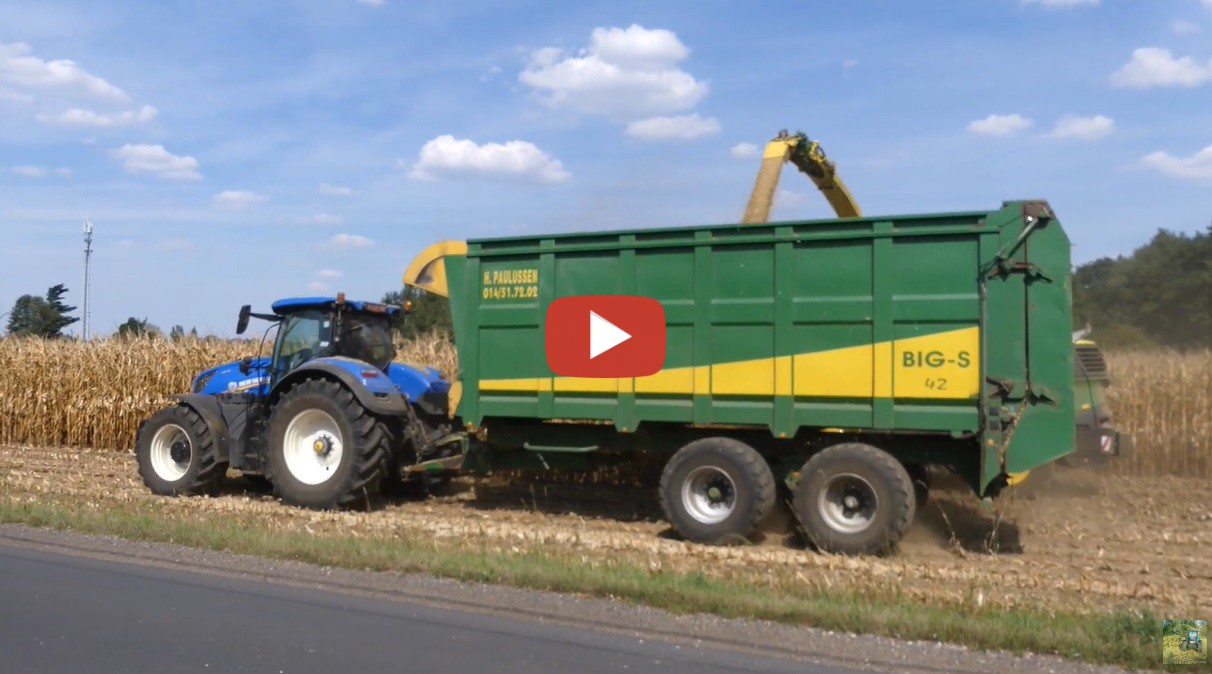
[246, 365]
[242, 323]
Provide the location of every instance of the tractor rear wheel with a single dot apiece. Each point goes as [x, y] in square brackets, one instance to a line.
[717, 490]
[325, 449]
[854, 499]
[176, 453]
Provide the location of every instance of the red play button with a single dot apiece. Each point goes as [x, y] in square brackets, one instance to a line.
[605, 336]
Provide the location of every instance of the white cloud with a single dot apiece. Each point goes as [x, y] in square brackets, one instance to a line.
[1197, 166]
[744, 150]
[1062, 3]
[325, 219]
[1083, 128]
[30, 171]
[373, 3]
[850, 63]
[999, 125]
[329, 274]
[637, 47]
[237, 199]
[348, 241]
[447, 157]
[680, 127]
[78, 117]
[624, 74]
[154, 159]
[1156, 67]
[335, 190]
[1185, 28]
[18, 67]
[40, 172]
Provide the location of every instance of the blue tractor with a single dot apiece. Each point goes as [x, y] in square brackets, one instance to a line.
[328, 418]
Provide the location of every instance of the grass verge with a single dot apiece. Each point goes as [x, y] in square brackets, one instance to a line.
[1123, 639]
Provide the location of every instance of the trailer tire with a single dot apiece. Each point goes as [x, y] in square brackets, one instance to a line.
[176, 453]
[716, 490]
[313, 421]
[854, 499]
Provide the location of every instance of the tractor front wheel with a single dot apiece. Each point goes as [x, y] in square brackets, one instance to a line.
[176, 453]
[325, 449]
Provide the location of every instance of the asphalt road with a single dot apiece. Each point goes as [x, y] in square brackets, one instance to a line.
[63, 613]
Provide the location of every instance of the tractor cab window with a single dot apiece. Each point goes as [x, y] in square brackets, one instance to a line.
[368, 339]
[302, 337]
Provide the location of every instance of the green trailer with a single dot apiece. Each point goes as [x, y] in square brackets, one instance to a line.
[833, 361]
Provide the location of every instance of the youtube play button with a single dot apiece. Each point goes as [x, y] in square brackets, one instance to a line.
[605, 336]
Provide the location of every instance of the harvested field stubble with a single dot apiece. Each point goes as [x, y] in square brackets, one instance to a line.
[1106, 543]
[95, 394]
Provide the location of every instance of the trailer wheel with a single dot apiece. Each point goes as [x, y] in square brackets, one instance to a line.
[854, 499]
[176, 453]
[325, 449]
[716, 490]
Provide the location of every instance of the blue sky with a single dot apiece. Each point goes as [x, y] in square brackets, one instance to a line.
[231, 152]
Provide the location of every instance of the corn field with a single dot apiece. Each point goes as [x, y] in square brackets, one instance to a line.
[66, 393]
[1164, 400]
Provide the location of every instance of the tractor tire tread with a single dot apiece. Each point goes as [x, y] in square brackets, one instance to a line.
[370, 443]
[207, 470]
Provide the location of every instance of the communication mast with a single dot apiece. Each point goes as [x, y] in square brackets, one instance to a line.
[88, 253]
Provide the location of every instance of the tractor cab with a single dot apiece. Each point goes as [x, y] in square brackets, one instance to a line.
[308, 329]
[321, 327]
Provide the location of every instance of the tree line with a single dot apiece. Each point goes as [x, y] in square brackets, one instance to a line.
[1160, 295]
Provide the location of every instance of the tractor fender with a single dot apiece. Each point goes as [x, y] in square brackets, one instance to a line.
[207, 407]
[371, 387]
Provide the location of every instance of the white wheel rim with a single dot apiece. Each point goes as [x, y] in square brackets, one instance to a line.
[709, 495]
[312, 447]
[848, 503]
[166, 466]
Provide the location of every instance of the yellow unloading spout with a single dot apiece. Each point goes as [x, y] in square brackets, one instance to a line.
[809, 158]
[762, 198]
[427, 270]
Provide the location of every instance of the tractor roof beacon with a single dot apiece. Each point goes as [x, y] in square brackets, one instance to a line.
[326, 417]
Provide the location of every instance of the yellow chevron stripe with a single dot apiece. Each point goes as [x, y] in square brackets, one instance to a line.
[943, 365]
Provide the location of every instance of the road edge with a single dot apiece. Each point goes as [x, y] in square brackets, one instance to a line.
[757, 637]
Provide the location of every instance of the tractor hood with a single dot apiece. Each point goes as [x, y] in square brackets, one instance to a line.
[227, 377]
[417, 381]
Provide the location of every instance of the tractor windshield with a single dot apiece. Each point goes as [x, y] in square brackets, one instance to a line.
[367, 337]
[302, 337]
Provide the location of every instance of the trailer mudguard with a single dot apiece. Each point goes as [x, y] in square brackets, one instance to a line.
[376, 391]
